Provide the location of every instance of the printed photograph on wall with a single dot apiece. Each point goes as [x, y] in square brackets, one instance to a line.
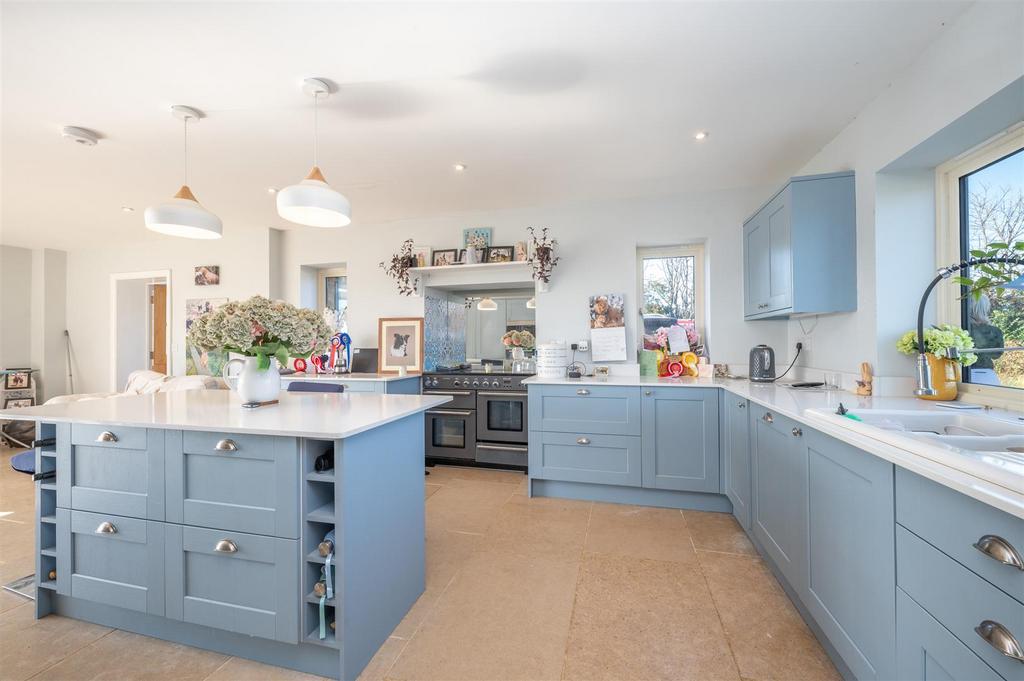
[480, 237]
[400, 343]
[17, 379]
[207, 275]
[607, 327]
[202, 362]
[606, 310]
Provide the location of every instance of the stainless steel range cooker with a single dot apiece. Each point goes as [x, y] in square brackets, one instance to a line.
[485, 424]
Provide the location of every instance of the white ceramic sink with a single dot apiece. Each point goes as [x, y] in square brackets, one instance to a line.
[935, 423]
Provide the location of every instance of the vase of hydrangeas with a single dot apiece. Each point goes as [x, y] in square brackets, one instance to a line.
[945, 372]
[266, 333]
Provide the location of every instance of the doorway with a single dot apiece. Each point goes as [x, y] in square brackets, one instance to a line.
[140, 324]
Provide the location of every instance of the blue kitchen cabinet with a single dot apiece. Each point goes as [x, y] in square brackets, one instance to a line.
[680, 439]
[780, 493]
[851, 558]
[607, 410]
[799, 250]
[585, 457]
[736, 456]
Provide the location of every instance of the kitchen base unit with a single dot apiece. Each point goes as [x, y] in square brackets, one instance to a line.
[184, 517]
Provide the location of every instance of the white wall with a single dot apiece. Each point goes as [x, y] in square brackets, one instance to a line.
[597, 242]
[975, 57]
[15, 306]
[244, 270]
[133, 321]
[49, 317]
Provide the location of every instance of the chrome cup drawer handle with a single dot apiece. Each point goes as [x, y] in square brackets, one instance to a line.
[583, 440]
[582, 391]
[999, 550]
[226, 446]
[106, 528]
[226, 546]
[1000, 638]
[106, 436]
[797, 432]
[768, 418]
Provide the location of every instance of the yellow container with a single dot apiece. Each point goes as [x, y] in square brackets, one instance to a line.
[944, 374]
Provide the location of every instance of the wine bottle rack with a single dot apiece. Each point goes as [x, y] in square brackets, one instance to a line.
[320, 516]
[46, 520]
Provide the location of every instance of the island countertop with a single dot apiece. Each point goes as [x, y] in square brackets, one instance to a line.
[316, 415]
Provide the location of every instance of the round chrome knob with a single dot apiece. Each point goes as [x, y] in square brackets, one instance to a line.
[456, 383]
[476, 384]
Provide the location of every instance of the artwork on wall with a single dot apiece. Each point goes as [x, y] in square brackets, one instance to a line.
[608, 327]
[481, 236]
[400, 343]
[197, 361]
[520, 252]
[18, 379]
[207, 275]
[422, 255]
[442, 258]
[499, 254]
[15, 402]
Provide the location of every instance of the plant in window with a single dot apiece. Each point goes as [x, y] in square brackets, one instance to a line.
[398, 268]
[989, 277]
[937, 340]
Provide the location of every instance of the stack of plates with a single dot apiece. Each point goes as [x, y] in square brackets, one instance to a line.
[552, 358]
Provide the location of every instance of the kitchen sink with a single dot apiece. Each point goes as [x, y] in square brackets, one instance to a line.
[940, 424]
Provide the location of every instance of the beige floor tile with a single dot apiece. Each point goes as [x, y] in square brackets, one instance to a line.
[123, 655]
[9, 601]
[429, 489]
[645, 619]
[503, 617]
[441, 474]
[29, 645]
[718, 532]
[377, 669]
[769, 639]
[238, 669]
[466, 505]
[542, 527]
[639, 532]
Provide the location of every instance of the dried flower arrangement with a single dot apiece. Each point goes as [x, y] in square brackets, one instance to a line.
[543, 259]
[398, 269]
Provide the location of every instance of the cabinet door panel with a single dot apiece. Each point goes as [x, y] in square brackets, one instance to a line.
[680, 440]
[851, 577]
[736, 457]
[780, 258]
[757, 281]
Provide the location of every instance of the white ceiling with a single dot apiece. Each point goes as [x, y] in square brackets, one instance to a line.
[545, 102]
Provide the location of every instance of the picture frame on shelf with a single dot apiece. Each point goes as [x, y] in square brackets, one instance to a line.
[499, 254]
[462, 257]
[18, 402]
[18, 379]
[444, 257]
[422, 255]
[483, 233]
[400, 343]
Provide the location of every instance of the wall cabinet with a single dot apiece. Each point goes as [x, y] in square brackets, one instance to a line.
[680, 439]
[799, 250]
[736, 465]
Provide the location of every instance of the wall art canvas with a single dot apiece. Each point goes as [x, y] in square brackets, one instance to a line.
[207, 275]
[483, 233]
[400, 343]
[202, 362]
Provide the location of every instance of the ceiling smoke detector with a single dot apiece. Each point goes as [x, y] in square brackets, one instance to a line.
[83, 136]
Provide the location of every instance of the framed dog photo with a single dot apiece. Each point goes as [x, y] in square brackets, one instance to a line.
[499, 253]
[442, 258]
[18, 379]
[15, 402]
[400, 343]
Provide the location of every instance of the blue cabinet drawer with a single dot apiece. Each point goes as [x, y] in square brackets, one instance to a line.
[585, 457]
[114, 560]
[363, 387]
[245, 483]
[606, 410]
[926, 651]
[954, 523]
[959, 599]
[121, 476]
[239, 582]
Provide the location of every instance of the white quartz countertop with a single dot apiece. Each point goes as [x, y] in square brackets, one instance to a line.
[816, 408]
[346, 378]
[317, 415]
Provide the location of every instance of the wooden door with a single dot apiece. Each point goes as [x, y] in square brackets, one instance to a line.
[158, 340]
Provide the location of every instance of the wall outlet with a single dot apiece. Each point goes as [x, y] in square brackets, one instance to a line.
[805, 352]
[583, 345]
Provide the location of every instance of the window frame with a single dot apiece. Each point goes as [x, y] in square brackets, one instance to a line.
[696, 251]
[321, 281]
[948, 242]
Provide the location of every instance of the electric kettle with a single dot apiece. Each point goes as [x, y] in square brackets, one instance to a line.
[762, 364]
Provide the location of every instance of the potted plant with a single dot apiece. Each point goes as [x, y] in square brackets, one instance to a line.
[398, 268]
[262, 330]
[945, 372]
[543, 257]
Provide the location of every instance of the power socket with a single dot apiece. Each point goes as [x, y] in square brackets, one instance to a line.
[582, 346]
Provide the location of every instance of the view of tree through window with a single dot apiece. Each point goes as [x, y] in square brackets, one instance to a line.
[669, 291]
[992, 201]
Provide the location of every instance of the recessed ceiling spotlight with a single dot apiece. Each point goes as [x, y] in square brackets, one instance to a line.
[127, 209]
[83, 136]
[700, 135]
[271, 190]
[460, 167]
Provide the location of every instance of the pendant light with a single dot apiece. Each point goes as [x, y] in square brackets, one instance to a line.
[182, 215]
[312, 202]
[531, 304]
[487, 304]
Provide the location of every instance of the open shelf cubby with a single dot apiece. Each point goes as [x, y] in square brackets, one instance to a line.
[318, 506]
[46, 521]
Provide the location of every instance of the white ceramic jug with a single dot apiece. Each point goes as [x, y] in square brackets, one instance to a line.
[252, 383]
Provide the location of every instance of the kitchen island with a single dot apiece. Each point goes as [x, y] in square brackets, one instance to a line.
[185, 517]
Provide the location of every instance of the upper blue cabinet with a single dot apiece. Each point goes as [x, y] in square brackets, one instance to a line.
[800, 250]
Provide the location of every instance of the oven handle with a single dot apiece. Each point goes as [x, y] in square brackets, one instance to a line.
[450, 412]
[461, 393]
[503, 448]
[509, 394]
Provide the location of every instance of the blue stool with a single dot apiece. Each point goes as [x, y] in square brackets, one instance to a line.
[24, 462]
[310, 387]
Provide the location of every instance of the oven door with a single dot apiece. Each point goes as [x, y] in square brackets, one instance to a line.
[501, 417]
[451, 434]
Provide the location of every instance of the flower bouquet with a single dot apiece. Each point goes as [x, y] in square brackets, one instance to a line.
[519, 339]
[944, 371]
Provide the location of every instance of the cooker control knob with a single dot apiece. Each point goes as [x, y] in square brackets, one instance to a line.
[455, 383]
[476, 384]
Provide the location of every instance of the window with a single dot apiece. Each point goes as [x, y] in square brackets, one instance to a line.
[671, 288]
[332, 292]
[984, 204]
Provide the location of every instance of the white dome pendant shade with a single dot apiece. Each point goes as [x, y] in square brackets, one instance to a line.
[182, 215]
[487, 304]
[312, 202]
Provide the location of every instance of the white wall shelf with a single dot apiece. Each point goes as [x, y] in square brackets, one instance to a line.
[494, 275]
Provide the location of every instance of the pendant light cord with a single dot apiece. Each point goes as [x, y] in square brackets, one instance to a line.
[186, 149]
[316, 127]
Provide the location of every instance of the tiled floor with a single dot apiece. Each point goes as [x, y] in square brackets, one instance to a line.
[517, 588]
